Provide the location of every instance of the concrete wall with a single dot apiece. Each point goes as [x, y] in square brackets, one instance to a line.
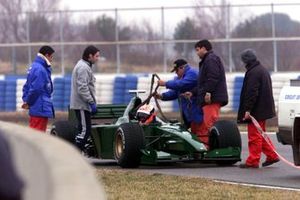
[51, 168]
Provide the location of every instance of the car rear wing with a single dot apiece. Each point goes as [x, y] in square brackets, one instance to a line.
[109, 111]
[104, 111]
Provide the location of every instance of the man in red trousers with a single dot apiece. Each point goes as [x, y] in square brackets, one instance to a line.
[257, 100]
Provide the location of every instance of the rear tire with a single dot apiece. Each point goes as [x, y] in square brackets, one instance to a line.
[225, 134]
[129, 140]
[65, 130]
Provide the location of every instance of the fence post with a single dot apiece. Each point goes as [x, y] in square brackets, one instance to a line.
[273, 37]
[28, 37]
[228, 37]
[61, 37]
[117, 42]
[163, 38]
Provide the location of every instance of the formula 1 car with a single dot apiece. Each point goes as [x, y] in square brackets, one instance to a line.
[131, 142]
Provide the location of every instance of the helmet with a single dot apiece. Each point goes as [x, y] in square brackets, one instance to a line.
[145, 114]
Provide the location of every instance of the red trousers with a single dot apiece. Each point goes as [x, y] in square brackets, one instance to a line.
[258, 145]
[210, 116]
[38, 123]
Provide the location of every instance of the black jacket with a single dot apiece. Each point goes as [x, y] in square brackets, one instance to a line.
[212, 79]
[257, 95]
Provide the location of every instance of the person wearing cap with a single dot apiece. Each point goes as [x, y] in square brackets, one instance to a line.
[83, 99]
[211, 89]
[37, 90]
[256, 99]
[185, 80]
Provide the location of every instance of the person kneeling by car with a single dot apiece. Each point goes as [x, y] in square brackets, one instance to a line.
[185, 80]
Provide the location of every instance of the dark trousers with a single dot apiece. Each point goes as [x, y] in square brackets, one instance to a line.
[83, 127]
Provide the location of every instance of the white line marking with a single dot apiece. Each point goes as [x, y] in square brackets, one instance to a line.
[258, 186]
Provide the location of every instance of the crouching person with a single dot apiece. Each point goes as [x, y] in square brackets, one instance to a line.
[185, 80]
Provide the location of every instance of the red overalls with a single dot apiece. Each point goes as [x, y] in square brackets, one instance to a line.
[258, 145]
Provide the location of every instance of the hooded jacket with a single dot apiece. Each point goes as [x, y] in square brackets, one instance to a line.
[256, 95]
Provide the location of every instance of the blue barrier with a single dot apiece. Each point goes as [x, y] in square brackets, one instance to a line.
[119, 90]
[10, 94]
[67, 92]
[238, 83]
[130, 84]
[2, 95]
[58, 93]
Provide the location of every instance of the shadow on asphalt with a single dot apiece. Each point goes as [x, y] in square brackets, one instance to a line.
[161, 165]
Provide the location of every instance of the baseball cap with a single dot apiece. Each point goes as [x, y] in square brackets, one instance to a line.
[178, 63]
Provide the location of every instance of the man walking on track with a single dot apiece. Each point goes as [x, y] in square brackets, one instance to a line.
[256, 99]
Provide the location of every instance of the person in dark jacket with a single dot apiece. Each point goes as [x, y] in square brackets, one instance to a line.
[256, 99]
[211, 90]
[185, 80]
[11, 185]
[38, 89]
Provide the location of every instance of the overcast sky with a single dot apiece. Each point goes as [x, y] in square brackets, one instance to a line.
[172, 17]
[100, 4]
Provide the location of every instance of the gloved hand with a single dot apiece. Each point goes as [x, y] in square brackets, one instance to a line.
[93, 107]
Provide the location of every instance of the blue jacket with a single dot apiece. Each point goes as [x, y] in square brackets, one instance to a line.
[191, 111]
[38, 89]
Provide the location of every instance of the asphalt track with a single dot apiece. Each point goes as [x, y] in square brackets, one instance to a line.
[278, 175]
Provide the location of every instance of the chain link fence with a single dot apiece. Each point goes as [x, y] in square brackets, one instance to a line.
[143, 40]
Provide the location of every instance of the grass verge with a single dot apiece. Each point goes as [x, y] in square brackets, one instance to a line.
[123, 184]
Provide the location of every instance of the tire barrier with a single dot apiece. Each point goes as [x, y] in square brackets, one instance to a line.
[237, 87]
[119, 90]
[67, 92]
[10, 94]
[2, 95]
[113, 89]
[130, 84]
[51, 168]
[58, 93]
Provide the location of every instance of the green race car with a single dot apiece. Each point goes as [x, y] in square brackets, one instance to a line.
[132, 143]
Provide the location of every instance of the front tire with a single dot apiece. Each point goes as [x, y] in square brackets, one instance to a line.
[129, 140]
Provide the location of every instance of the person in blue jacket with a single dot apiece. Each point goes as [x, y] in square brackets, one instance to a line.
[38, 89]
[185, 80]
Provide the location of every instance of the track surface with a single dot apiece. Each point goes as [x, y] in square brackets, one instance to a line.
[279, 174]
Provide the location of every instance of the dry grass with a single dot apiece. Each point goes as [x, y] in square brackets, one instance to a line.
[122, 184]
